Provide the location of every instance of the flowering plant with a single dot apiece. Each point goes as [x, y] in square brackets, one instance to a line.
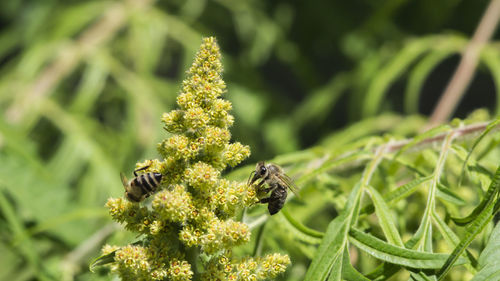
[192, 214]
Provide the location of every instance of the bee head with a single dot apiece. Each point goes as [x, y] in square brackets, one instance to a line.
[261, 169]
[260, 172]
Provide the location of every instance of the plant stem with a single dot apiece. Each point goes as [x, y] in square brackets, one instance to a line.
[457, 133]
[467, 66]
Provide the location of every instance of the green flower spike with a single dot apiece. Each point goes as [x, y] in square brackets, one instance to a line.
[194, 209]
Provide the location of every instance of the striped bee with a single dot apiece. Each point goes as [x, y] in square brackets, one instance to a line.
[142, 186]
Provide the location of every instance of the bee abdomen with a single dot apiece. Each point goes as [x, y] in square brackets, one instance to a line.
[148, 182]
[275, 207]
[277, 199]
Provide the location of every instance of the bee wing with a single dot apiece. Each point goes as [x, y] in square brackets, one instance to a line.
[289, 183]
[124, 179]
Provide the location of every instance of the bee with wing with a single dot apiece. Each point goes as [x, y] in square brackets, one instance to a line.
[278, 183]
[142, 186]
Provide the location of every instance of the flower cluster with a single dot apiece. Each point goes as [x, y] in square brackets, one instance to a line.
[192, 213]
[225, 267]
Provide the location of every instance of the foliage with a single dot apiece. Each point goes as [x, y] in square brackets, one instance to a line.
[317, 87]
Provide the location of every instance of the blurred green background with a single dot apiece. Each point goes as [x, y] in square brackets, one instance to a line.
[83, 85]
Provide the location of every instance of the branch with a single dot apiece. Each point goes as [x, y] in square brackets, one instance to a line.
[394, 146]
[457, 133]
[467, 66]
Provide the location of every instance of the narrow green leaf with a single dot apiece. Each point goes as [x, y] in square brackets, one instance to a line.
[488, 198]
[488, 129]
[308, 234]
[409, 166]
[383, 272]
[451, 238]
[336, 270]
[329, 250]
[472, 231]
[399, 193]
[475, 227]
[334, 241]
[428, 240]
[481, 170]
[490, 272]
[446, 194]
[349, 273]
[385, 218]
[102, 260]
[490, 253]
[397, 255]
[442, 192]
[489, 260]
[423, 235]
[421, 276]
[405, 190]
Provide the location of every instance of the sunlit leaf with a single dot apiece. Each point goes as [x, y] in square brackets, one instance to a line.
[397, 255]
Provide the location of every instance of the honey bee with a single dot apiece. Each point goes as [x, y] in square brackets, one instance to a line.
[142, 186]
[277, 181]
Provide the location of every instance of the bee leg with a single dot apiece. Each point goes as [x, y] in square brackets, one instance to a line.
[140, 169]
[260, 184]
[272, 186]
[266, 190]
[265, 200]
